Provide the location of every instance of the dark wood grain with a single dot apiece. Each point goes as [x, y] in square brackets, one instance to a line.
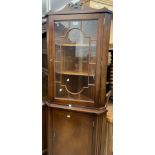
[101, 58]
[76, 126]
[104, 57]
[44, 127]
[79, 108]
[44, 89]
[73, 133]
[50, 48]
[84, 9]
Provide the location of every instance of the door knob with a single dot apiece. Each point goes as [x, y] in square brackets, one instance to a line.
[68, 116]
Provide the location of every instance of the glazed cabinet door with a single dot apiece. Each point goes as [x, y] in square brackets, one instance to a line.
[74, 59]
[72, 133]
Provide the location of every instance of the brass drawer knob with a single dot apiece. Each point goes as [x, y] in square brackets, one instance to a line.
[70, 106]
[68, 116]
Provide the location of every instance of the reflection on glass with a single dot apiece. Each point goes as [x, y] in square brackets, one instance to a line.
[75, 59]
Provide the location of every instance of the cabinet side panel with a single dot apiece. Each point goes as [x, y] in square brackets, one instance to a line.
[49, 135]
[44, 127]
[50, 48]
[98, 60]
[104, 57]
[100, 131]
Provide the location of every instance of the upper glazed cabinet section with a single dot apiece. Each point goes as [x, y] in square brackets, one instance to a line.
[75, 59]
[77, 55]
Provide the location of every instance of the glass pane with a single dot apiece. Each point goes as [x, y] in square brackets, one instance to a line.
[75, 59]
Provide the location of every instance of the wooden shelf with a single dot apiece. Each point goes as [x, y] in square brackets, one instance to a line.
[72, 45]
[97, 111]
[75, 73]
[81, 98]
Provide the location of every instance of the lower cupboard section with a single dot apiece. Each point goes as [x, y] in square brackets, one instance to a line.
[75, 133]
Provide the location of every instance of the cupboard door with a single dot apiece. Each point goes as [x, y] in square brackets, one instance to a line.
[72, 133]
[75, 60]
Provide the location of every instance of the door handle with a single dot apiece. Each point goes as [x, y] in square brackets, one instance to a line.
[51, 60]
[68, 116]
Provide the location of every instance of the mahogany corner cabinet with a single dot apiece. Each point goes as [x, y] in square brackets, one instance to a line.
[78, 43]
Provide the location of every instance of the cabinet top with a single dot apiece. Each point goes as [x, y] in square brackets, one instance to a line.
[79, 8]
